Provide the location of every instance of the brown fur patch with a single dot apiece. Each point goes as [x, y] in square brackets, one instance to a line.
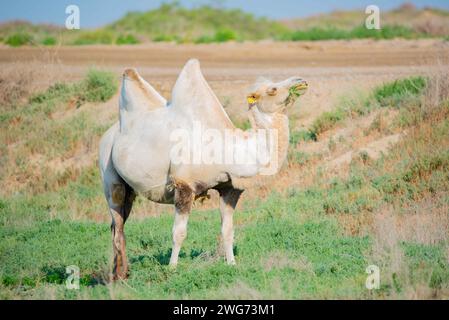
[201, 188]
[183, 196]
[118, 194]
[230, 195]
[131, 74]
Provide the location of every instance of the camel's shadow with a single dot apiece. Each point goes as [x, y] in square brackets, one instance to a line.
[163, 257]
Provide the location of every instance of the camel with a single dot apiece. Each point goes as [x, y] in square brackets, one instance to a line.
[136, 155]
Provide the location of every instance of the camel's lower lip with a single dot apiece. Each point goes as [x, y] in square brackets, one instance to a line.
[301, 86]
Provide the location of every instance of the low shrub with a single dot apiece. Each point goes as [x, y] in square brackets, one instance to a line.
[126, 39]
[19, 39]
[49, 41]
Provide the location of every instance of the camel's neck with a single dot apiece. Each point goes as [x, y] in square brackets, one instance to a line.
[275, 123]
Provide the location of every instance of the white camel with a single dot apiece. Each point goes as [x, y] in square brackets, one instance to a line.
[136, 155]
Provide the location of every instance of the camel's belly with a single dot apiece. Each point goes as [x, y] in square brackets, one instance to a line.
[141, 167]
[163, 195]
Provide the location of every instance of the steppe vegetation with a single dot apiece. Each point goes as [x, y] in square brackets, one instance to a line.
[315, 240]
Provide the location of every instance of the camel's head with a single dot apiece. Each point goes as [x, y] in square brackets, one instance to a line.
[270, 97]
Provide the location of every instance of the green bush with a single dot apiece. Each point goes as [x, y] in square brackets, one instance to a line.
[49, 41]
[55, 91]
[225, 35]
[126, 39]
[99, 85]
[327, 120]
[302, 135]
[393, 93]
[19, 39]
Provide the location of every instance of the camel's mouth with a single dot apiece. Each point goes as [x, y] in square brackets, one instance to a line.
[296, 91]
[301, 87]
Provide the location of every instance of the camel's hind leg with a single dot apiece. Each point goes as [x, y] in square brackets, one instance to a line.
[123, 197]
[183, 205]
[228, 200]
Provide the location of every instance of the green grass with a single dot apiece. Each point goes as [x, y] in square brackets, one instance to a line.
[399, 92]
[36, 258]
[361, 32]
[302, 135]
[298, 157]
[100, 86]
[99, 36]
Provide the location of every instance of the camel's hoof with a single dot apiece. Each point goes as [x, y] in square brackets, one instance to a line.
[172, 266]
[231, 263]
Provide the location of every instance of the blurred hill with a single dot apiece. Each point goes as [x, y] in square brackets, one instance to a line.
[203, 24]
[431, 21]
[174, 23]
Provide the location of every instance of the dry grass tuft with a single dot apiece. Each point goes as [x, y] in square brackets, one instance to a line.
[16, 82]
[20, 80]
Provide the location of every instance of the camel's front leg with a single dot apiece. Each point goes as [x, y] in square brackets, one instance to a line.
[228, 200]
[183, 205]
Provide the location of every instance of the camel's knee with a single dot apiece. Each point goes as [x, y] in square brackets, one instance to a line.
[183, 197]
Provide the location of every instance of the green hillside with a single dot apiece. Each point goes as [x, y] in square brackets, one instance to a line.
[203, 24]
[428, 21]
[173, 23]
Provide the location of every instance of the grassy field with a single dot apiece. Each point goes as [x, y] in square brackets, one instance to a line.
[314, 241]
[171, 22]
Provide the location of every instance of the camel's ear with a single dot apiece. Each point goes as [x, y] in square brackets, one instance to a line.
[137, 93]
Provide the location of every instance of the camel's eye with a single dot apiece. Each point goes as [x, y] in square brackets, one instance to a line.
[272, 91]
